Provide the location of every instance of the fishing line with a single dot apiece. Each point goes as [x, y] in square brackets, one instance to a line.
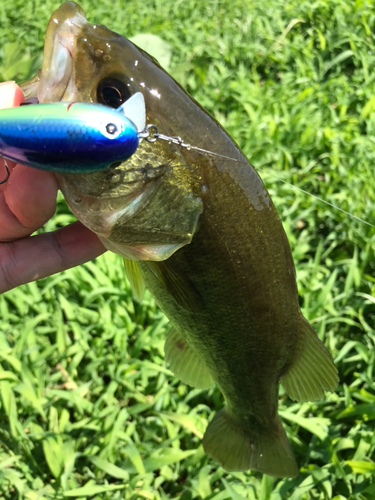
[318, 198]
[151, 134]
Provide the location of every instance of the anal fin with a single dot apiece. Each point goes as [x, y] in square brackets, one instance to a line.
[313, 370]
[185, 363]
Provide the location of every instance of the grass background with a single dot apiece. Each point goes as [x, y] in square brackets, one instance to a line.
[88, 408]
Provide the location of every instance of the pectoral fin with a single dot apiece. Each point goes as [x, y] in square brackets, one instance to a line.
[186, 363]
[135, 278]
[312, 371]
[178, 284]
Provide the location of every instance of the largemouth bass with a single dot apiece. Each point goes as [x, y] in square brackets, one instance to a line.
[204, 237]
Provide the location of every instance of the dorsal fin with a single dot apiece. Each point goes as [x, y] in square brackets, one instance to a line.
[135, 109]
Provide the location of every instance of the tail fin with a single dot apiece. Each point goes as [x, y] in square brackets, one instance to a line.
[239, 449]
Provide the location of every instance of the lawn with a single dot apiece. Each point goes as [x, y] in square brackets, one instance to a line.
[88, 408]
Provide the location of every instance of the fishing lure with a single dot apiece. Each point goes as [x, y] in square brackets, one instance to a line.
[71, 137]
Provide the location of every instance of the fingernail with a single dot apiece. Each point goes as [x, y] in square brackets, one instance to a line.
[7, 86]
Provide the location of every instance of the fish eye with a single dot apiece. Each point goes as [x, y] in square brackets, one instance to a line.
[113, 92]
[111, 128]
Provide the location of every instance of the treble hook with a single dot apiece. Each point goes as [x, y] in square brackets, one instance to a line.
[8, 173]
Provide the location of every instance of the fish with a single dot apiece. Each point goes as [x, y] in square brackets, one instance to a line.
[202, 234]
[71, 137]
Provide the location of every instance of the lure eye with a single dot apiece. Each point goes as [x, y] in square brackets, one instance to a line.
[111, 128]
[113, 92]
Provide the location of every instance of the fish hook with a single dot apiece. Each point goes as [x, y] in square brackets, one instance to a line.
[8, 173]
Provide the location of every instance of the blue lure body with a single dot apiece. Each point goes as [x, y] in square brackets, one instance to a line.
[71, 137]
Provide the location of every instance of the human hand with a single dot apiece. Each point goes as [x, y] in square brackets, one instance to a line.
[27, 201]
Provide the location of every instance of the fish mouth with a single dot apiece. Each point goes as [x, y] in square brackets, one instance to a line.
[60, 46]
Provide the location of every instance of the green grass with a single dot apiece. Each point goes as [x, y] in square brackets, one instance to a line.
[88, 408]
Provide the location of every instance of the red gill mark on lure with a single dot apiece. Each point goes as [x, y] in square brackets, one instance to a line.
[69, 106]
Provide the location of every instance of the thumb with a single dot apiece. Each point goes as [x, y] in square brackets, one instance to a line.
[10, 95]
